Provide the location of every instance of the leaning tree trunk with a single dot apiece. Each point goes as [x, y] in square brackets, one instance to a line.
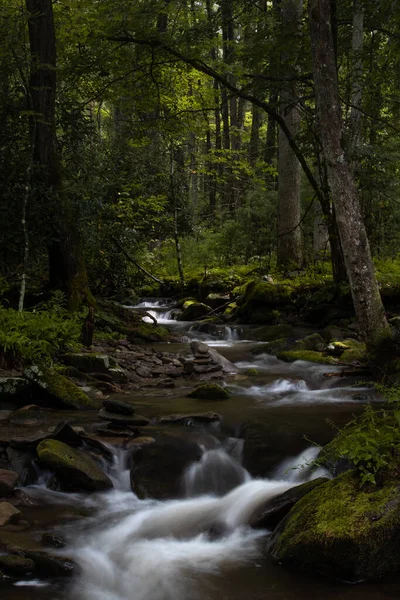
[289, 250]
[360, 269]
[67, 270]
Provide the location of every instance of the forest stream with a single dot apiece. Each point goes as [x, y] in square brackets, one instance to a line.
[202, 547]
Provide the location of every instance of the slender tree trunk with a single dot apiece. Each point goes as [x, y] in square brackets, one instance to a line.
[289, 248]
[355, 117]
[360, 269]
[67, 270]
[254, 145]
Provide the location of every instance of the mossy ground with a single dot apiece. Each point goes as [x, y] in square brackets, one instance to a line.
[307, 355]
[342, 530]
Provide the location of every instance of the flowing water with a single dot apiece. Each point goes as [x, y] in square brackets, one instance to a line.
[201, 546]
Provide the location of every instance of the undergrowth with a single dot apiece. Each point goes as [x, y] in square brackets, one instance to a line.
[26, 337]
[371, 442]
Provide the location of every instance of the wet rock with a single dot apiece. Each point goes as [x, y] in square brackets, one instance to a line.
[194, 311]
[187, 419]
[75, 470]
[52, 541]
[125, 419]
[8, 481]
[98, 448]
[144, 372]
[63, 432]
[313, 342]
[278, 507]
[116, 406]
[342, 531]
[158, 467]
[53, 389]
[8, 514]
[139, 441]
[21, 498]
[268, 333]
[89, 362]
[307, 355]
[15, 565]
[4, 414]
[50, 565]
[22, 462]
[209, 391]
[202, 351]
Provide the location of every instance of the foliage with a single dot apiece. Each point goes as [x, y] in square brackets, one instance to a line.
[26, 337]
[372, 441]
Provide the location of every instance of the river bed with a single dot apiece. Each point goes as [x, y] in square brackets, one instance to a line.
[201, 547]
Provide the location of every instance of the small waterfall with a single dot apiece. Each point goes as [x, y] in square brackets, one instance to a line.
[301, 468]
[216, 473]
[160, 551]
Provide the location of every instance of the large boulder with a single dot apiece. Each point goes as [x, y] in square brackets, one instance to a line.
[260, 302]
[194, 311]
[75, 470]
[8, 481]
[57, 391]
[158, 467]
[342, 531]
[209, 391]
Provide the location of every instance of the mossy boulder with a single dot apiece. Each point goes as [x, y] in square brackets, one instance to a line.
[230, 310]
[342, 531]
[252, 372]
[274, 347]
[53, 389]
[307, 355]
[355, 352]
[15, 565]
[194, 311]
[75, 470]
[311, 342]
[261, 300]
[209, 391]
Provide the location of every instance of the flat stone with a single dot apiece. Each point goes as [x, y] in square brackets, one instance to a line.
[8, 481]
[140, 441]
[8, 513]
[15, 565]
[199, 347]
[127, 419]
[116, 406]
[206, 417]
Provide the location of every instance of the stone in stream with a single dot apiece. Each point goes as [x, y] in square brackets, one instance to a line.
[206, 417]
[8, 514]
[116, 406]
[50, 565]
[157, 468]
[202, 351]
[15, 565]
[209, 391]
[126, 419]
[75, 470]
[278, 507]
[52, 541]
[343, 531]
[8, 481]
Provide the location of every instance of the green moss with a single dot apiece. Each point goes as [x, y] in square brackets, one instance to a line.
[252, 372]
[209, 391]
[311, 342]
[60, 389]
[307, 355]
[261, 300]
[230, 309]
[194, 311]
[342, 530]
[356, 351]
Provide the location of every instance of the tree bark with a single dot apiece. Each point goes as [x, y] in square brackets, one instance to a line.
[360, 269]
[289, 249]
[355, 117]
[67, 270]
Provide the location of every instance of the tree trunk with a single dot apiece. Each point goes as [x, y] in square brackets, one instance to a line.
[360, 269]
[289, 250]
[355, 117]
[67, 270]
